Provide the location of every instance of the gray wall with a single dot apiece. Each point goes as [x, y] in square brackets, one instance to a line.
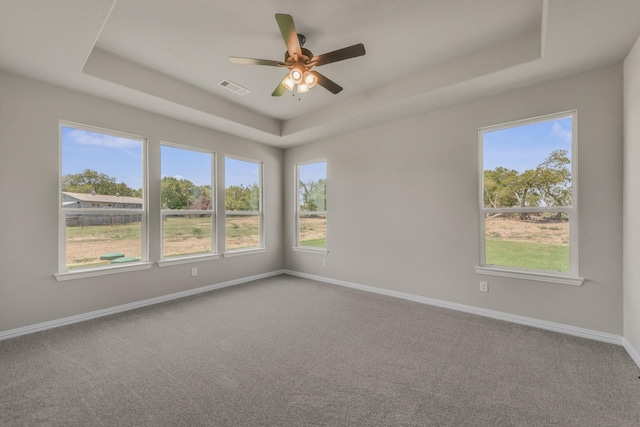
[29, 158]
[632, 197]
[403, 211]
[403, 204]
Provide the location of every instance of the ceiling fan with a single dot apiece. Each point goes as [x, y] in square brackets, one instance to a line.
[300, 61]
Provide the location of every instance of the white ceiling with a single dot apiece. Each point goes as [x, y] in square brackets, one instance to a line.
[168, 57]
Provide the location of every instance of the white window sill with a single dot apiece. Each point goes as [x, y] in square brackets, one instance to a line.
[102, 271]
[310, 250]
[187, 260]
[241, 252]
[531, 275]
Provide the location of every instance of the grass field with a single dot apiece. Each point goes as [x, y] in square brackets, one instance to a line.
[313, 231]
[539, 243]
[511, 243]
[181, 236]
[315, 243]
[537, 256]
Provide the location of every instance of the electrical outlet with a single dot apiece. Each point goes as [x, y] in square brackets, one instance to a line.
[484, 286]
[324, 262]
[194, 272]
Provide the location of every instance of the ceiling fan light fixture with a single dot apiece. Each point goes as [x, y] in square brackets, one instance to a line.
[302, 88]
[288, 83]
[309, 79]
[297, 72]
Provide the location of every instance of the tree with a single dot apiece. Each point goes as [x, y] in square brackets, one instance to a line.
[202, 196]
[177, 193]
[313, 195]
[555, 179]
[241, 198]
[498, 187]
[549, 184]
[90, 181]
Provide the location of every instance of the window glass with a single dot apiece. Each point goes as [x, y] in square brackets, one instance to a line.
[311, 205]
[102, 198]
[527, 194]
[243, 204]
[187, 201]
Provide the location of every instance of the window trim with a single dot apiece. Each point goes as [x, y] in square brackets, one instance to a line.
[64, 273]
[296, 242]
[260, 212]
[570, 277]
[204, 256]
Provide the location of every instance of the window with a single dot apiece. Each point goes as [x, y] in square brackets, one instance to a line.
[528, 196]
[101, 172]
[243, 204]
[188, 218]
[311, 206]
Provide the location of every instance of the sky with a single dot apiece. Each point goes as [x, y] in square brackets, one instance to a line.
[525, 147]
[240, 172]
[117, 157]
[313, 171]
[121, 158]
[186, 164]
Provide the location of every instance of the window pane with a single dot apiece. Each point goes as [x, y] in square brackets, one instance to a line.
[313, 230]
[100, 239]
[101, 171]
[243, 194]
[186, 235]
[242, 185]
[312, 187]
[186, 178]
[100, 165]
[528, 165]
[528, 240]
[243, 232]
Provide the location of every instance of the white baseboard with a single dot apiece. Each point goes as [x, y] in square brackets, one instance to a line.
[528, 321]
[12, 333]
[633, 353]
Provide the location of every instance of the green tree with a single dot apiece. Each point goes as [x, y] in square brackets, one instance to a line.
[498, 187]
[313, 195]
[202, 195]
[555, 179]
[241, 198]
[177, 193]
[549, 184]
[90, 181]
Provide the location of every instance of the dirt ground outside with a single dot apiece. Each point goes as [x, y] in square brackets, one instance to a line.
[536, 229]
[85, 250]
[313, 228]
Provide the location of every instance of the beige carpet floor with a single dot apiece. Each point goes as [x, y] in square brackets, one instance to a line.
[286, 351]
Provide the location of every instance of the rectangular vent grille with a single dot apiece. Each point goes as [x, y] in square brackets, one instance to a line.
[233, 87]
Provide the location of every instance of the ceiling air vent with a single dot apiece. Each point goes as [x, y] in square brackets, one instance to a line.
[233, 87]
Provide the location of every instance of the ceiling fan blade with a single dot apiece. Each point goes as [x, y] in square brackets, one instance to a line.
[289, 34]
[254, 61]
[330, 85]
[338, 55]
[280, 90]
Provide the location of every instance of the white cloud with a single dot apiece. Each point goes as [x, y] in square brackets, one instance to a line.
[89, 138]
[561, 132]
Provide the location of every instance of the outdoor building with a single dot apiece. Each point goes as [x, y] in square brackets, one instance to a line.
[100, 201]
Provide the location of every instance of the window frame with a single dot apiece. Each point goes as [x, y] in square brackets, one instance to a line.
[206, 256]
[68, 274]
[260, 212]
[570, 277]
[297, 213]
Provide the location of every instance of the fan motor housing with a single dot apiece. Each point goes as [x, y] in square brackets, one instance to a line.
[306, 57]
